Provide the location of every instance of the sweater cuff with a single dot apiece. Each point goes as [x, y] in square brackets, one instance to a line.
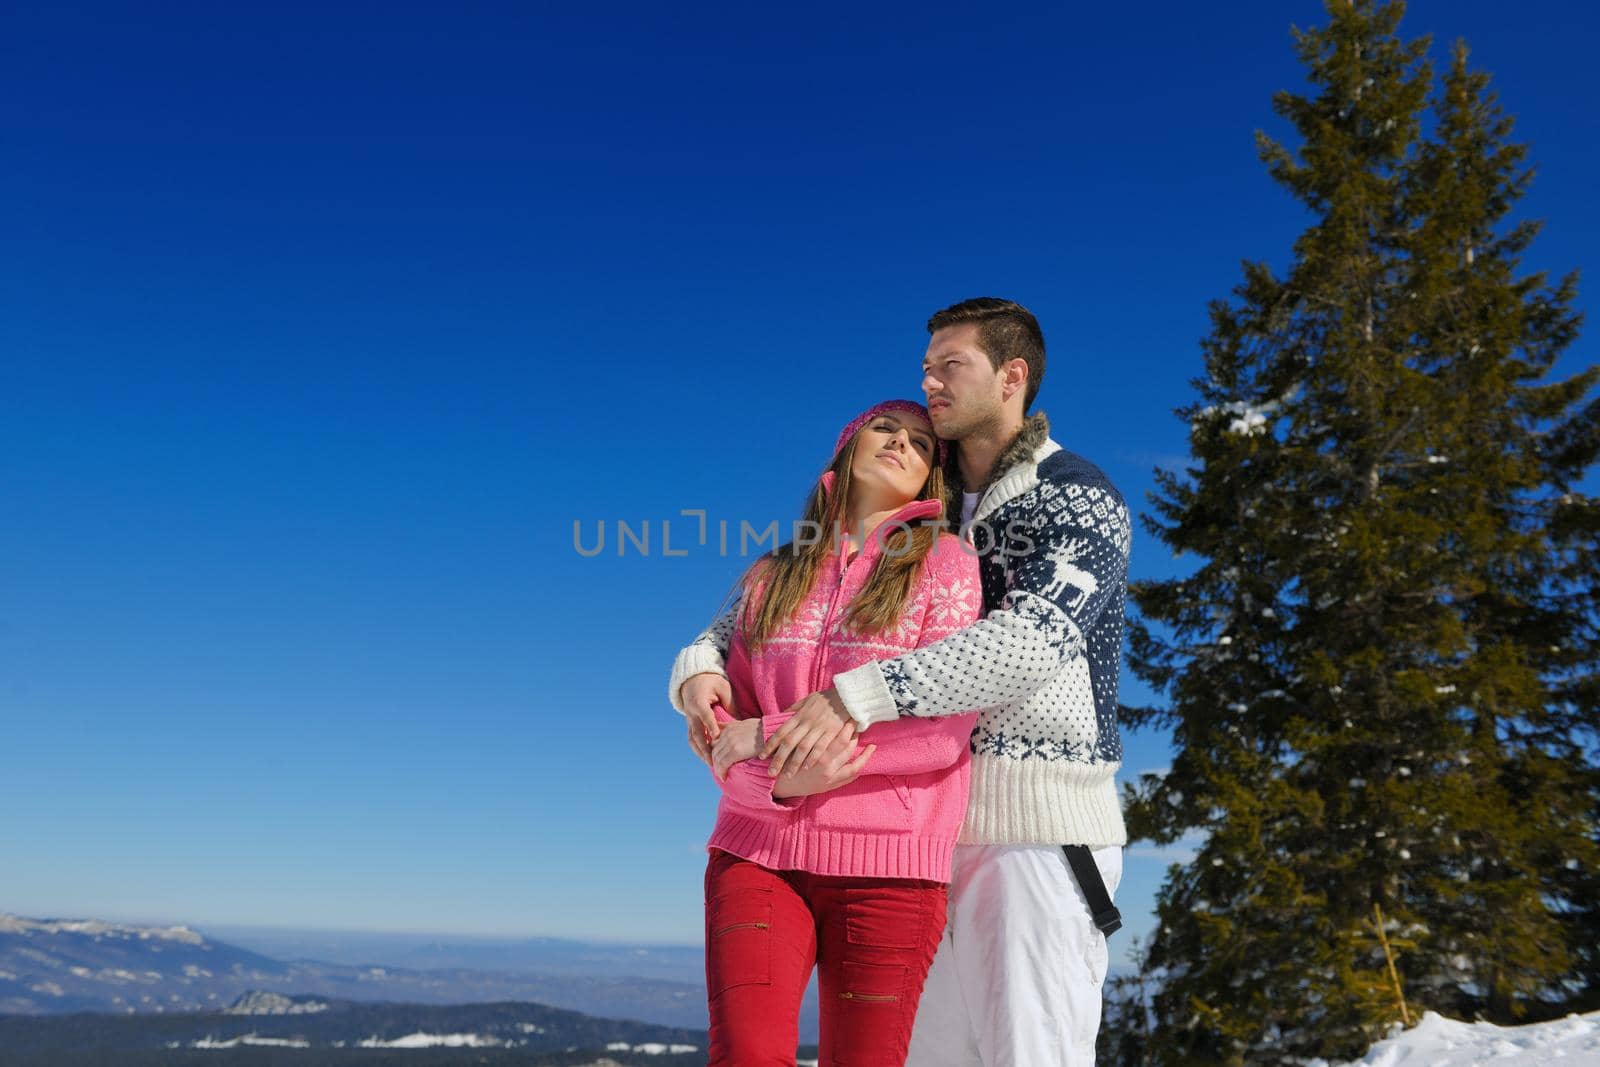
[750, 786]
[866, 695]
[698, 658]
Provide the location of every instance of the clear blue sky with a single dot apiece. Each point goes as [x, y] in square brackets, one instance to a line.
[320, 327]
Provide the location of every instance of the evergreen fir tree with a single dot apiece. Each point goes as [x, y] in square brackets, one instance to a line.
[1520, 804]
[1380, 679]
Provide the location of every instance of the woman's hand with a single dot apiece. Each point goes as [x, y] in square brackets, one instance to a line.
[698, 695]
[839, 765]
[819, 722]
[738, 741]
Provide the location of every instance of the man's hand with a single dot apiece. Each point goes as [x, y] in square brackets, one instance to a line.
[697, 695]
[836, 768]
[738, 741]
[799, 744]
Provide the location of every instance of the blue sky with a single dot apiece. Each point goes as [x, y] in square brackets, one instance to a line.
[321, 327]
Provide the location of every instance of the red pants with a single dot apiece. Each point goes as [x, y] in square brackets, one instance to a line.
[872, 940]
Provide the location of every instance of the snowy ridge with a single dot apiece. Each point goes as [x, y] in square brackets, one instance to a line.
[264, 1003]
[247, 1039]
[422, 1040]
[15, 924]
[1440, 1042]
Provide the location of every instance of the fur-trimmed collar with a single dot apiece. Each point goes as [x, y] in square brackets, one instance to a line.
[1035, 431]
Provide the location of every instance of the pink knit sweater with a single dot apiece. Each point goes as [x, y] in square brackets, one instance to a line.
[900, 818]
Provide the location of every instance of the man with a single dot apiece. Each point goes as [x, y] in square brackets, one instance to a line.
[1017, 979]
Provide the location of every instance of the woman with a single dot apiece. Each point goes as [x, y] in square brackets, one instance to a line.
[843, 866]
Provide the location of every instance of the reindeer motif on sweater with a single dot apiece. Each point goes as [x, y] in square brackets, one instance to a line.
[1062, 558]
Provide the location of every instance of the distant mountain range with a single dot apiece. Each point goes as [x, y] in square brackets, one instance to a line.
[54, 966]
[541, 955]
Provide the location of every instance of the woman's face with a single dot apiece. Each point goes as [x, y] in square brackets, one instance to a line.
[894, 453]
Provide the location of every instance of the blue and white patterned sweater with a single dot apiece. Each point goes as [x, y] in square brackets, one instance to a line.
[1042, 664]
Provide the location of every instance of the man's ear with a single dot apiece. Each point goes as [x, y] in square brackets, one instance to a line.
[1015, 378]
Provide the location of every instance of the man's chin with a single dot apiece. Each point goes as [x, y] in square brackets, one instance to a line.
[949, 427]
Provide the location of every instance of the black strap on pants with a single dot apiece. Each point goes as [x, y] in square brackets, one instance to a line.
[1106, 916]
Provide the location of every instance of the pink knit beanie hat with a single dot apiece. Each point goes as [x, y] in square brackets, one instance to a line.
[853, 427]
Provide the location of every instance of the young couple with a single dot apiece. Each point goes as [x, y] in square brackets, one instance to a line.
[915, 735]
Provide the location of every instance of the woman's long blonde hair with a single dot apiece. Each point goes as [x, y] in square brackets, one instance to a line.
[778, 583]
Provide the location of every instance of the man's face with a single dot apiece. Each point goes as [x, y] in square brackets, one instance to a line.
[963, 388]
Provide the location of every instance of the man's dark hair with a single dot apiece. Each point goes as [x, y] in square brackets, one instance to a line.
[1006, 331]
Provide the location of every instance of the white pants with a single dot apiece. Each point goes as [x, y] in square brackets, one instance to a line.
[1016, 981]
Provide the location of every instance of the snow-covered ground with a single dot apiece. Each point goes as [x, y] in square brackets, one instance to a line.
[1440, 1042]
[422, 1040]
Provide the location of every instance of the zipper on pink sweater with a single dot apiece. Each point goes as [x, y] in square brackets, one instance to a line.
[909, 511]
[827, 621]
